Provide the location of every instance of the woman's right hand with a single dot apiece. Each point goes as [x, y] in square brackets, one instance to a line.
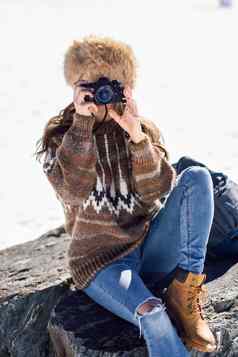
[82, 107]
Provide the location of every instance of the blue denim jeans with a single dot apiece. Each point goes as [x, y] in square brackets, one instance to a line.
[178, 236]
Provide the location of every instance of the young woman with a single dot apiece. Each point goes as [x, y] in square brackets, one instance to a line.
[109, 168]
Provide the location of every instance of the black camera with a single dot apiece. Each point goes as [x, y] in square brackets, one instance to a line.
[105, 91]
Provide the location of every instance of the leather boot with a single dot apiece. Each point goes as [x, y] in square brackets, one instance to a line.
[183, 300]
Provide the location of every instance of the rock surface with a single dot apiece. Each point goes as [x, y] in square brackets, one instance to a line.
[42, 313]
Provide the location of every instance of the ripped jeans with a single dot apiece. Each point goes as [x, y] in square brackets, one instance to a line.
[177, 237]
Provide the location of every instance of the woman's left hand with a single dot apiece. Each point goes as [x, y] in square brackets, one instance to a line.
[129, 120]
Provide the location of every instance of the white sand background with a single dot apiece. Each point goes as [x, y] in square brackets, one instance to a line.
[187, 83]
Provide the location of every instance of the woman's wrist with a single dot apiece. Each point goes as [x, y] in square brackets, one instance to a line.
[85, 123]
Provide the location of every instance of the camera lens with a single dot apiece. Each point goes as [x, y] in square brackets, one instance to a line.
[104, 94]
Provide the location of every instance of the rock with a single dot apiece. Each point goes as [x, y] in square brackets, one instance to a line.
[83, 328]
[223, 305]
[42, 313]
[33, 266]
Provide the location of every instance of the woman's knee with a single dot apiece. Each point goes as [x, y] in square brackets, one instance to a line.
[153, 318]
[197, 175]
[147, 306]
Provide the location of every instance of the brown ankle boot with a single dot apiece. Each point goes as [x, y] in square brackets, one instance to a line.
[184, 308]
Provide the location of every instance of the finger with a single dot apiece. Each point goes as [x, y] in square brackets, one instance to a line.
[84, 92]
[82, 95]
[91, 107]
[128, 92]
[79, 89]
[79, 94]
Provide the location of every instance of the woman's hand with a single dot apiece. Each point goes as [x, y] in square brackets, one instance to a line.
[129, 120]
[82, 107]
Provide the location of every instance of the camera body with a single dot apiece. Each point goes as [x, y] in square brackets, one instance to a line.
[105, 91]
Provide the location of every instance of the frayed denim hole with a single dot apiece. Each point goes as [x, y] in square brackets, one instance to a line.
[159, 307]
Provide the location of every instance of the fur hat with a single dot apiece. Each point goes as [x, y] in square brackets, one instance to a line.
[92, 57]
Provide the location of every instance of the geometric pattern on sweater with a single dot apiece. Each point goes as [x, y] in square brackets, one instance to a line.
[115, 204]
[104, 195]
[109, 188]
[101, 196]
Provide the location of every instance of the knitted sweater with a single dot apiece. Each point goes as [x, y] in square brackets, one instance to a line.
[110, 190]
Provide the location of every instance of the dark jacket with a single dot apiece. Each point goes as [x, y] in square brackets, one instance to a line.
[225, 222]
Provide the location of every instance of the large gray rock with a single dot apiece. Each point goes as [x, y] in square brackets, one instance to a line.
[43, 314]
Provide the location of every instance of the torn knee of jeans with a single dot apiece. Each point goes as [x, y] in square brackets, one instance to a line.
[157, 303]
[150, 302]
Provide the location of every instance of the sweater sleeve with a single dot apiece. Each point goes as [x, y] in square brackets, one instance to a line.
[71, 167]
[153, 175]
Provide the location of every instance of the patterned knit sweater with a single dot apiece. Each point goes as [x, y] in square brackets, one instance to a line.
[110, 190]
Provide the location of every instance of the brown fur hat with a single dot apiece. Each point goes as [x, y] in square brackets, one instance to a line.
[92, 57]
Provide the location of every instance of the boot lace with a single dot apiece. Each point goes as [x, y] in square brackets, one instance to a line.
[197, 296]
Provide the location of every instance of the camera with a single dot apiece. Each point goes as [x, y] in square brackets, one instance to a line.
[105, 91]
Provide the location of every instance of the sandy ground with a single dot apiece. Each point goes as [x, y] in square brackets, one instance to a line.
[187, 83]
